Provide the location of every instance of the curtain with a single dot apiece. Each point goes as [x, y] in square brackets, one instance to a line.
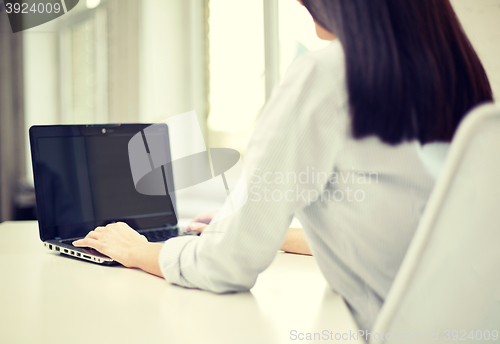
[12, 133]
[123, 65]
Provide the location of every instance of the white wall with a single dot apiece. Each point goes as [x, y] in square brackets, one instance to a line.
[481, 21]
[172, 81]
[41, 99]
[171, 59]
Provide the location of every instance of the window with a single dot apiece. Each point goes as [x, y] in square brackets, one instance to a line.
[297, 33]
[237, 34]
[237, 83]
[83, 67]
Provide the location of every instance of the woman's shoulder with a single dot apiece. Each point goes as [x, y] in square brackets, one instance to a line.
[327, 63]
[313, 91]
[310, 104]
[332, 56]
[318, 79]
[320, 72]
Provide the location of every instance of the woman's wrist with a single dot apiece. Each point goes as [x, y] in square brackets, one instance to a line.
[145, 256]
[134, 254]
[295, 242]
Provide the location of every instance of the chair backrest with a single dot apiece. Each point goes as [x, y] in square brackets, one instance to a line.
[450, 277]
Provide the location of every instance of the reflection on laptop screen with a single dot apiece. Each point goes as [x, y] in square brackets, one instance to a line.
[86, 182]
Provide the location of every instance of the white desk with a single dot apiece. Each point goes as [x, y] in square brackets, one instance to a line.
[47, 298]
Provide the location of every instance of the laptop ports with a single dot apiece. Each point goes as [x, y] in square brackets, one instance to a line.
[50, 247]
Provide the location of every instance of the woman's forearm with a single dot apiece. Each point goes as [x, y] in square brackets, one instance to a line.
[295, 242]
[145, 256]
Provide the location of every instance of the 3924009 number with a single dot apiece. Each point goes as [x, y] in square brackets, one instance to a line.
[34, 8]
[472, 335]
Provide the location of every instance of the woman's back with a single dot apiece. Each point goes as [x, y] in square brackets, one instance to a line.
[338, 145]
[361, 222]
[359, 200]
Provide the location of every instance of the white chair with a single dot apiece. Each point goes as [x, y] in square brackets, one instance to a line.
[450, 277]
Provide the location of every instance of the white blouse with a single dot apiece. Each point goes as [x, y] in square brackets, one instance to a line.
[359, 201]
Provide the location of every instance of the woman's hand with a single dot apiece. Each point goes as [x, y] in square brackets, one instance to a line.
[117, 241]
[295, 242]
[199, 223]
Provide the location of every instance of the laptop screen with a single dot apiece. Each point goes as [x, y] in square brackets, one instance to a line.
[83, 180]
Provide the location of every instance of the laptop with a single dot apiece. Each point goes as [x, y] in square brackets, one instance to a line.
[83, 179]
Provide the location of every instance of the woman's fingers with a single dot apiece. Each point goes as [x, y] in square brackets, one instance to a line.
[196, 226]
[200, 229]
[88, 242]
[91, 239]
[95, 235]
[116, 240]
[201, 221]
[205, 217]
[79, 243]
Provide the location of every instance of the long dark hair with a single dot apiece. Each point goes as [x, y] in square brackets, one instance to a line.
[411, 70]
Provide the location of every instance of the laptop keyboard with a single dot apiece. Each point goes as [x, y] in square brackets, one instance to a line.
[68, 241]
[153, 235]
[160, 235]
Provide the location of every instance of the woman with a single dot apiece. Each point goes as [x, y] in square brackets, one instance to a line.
[339, 146]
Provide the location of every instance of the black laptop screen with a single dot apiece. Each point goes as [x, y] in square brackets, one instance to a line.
[85, 181]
